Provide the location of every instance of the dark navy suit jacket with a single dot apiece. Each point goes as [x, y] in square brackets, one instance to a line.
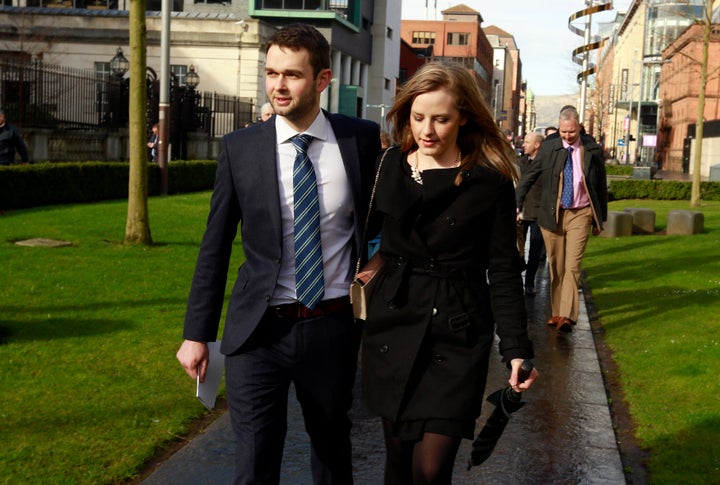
[246, 194]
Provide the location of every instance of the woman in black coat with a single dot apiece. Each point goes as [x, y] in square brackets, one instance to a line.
[451, 274]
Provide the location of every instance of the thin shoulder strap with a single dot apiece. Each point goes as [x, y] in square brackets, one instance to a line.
[367, 217]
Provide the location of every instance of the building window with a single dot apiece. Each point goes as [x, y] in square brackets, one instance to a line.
[179, 72]
[301, 5]
[423, 38]
[387, 84]
[458, 38]
[389, 33]
[102, 74]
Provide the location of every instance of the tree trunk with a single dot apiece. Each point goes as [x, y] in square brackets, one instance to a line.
[137, 228]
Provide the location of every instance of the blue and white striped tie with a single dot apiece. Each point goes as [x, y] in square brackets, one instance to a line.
[309, 282]
[567, 196]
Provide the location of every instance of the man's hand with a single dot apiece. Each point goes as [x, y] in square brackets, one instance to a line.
[194, 357]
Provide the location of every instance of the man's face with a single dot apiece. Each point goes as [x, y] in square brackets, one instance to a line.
[569, 130]
[292, 88]
[530, 145]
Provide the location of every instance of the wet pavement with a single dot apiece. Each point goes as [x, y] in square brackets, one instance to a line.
[564, 433]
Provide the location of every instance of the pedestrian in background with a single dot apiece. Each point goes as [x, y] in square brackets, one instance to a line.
[266, 111]
[573, 201]
[10, 142]
[451, 274]
[152, 143]
[527, 219]
[298, 187]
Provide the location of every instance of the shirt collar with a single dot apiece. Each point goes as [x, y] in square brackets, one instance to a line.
[575, 145]
[318, 129]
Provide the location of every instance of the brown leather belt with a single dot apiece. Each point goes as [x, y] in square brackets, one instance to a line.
[298, 310]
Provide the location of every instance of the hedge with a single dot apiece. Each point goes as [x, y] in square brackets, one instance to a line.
[660, 190]
[25, 186]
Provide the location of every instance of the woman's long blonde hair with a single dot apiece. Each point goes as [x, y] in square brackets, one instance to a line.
[479, 139]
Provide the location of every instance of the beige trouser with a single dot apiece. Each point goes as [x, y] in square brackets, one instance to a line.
[565, 249]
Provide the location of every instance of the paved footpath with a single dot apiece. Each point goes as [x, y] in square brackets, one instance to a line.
[563, 434]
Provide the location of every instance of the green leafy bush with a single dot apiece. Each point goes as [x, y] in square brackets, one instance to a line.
[611, 169]
[661, 190]
[25, 186]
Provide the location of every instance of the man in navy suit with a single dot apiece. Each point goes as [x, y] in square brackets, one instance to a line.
[270, 339]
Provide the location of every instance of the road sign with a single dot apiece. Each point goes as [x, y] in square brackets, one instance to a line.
[621, 142]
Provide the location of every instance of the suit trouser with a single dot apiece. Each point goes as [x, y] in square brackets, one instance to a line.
[565, 248]
[319, 356]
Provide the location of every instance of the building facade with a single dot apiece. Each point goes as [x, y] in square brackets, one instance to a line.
[627, 102]
[680, 89]
[458, 38]
[224, 41]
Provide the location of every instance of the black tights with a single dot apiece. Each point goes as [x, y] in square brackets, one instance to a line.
[427, 461]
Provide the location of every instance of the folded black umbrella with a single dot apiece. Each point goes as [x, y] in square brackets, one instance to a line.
[506, 402]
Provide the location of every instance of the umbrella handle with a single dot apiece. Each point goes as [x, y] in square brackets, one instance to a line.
[525, 369]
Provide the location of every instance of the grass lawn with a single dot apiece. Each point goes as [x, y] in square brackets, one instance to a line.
[90, 385]
[658, 298]
[91, 389]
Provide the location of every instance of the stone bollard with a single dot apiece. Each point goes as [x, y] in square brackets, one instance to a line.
[643, 220]
[618, 224]
[685, 222]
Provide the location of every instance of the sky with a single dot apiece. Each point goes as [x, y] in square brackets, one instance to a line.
[540, 29]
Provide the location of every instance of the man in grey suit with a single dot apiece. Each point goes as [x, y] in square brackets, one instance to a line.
[274, 333]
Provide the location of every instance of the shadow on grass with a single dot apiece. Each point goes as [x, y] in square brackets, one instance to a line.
[99, 305]
[685, 455]
[42, 322]
[57, 328]
[639, 304]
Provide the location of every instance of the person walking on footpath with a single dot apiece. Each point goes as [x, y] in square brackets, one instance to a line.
[299, 187]
[573, 201]
[451, 274]
[527, 219]
[10, 142]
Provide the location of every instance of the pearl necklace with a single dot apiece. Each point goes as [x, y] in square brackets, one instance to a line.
[416, 173]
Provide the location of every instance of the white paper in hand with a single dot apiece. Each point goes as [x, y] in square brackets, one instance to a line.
[207, 391]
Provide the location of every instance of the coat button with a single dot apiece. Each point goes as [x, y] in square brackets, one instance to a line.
[450, 221]
[384, 349]
[267, 297]
[439, 358]
[392, 305]
[434, 312]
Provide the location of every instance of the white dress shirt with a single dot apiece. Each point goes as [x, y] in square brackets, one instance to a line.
[336, 209]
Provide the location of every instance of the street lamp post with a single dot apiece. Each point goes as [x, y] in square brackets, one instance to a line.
[117, 100]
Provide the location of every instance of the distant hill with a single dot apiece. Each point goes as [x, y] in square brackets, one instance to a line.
[547, 108]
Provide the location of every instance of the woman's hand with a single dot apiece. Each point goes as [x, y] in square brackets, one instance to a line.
[368, 271]
[515, 365]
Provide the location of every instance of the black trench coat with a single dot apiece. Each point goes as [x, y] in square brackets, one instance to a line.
[452, 275]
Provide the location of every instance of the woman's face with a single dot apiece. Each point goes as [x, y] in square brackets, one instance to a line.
[435, 122]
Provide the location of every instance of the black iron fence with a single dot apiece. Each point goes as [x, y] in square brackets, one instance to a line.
[34, 94]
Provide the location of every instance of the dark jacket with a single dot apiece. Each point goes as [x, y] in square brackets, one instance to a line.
[246, 190]
[532, 199]
[451, 276]
[548, 167]
[10, 141]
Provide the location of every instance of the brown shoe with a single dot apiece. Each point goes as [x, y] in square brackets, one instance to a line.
[564, 324]
[553, 321]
